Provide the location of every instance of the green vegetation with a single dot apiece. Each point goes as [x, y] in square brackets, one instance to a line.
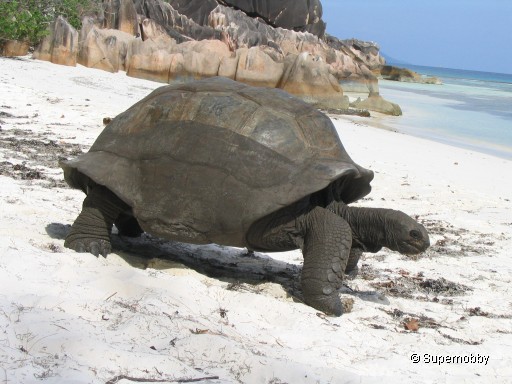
[22, 20]
[28, 20]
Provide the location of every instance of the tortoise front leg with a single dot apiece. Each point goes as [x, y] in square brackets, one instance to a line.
[326, 249]
[325, 239]
[92, 228]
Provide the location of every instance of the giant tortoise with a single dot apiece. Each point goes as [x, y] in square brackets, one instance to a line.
[217, 161]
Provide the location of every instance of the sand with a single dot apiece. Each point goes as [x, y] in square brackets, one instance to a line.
[171, 312]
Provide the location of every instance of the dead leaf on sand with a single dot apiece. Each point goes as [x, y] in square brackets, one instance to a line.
[412, 325]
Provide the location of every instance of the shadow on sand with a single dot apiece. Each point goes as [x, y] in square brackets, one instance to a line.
[228, 264]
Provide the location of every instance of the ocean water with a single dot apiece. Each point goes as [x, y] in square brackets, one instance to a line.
[471, 109]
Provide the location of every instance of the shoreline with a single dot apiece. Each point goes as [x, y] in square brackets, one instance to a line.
[377, 120]
[157, 309]
[461, 117]
[381, 121]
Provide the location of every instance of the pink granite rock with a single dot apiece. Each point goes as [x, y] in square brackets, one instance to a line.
[61, 45]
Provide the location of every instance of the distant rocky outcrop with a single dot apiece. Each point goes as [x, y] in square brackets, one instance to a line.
[178, 40]
[377, 103]
[61, 45]
[390, 72]
[365, 51]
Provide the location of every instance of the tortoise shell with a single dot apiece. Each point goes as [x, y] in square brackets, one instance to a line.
[200, 162]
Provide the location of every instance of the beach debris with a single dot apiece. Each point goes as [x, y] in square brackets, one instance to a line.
[54, 247]
[441, 285]
[412, 321]
[449, 240]
[347, 304]
[20, 171]
[32, 155]
[198, 331]
[411, 324]
[406, 285]
[459, 340]
[223, 312]
[118, 378]
[477, 311]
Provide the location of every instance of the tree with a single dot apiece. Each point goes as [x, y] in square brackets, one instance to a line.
[28, 20]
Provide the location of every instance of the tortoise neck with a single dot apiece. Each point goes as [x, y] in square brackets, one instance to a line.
[368, 225]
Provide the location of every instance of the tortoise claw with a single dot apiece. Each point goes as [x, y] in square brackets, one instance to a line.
[79, 247]
[352, 274]
[329, 304]
[105, 248]
[94, 246]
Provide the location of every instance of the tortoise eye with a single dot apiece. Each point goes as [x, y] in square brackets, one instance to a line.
[416, 235]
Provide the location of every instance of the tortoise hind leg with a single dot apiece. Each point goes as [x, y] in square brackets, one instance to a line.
[92, 228]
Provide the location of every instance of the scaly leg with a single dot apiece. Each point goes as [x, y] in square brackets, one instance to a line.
[325, 239]
[326, 250]
[92, 228]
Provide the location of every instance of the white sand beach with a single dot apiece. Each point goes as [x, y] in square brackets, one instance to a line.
[169, 312]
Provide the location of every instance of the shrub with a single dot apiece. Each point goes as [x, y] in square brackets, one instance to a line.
[28, 20]
[22, 20]
[74, 10]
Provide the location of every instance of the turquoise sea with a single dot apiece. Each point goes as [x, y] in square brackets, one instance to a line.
[471, 109]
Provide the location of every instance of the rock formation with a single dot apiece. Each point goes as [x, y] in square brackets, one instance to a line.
[61, 45]
[178, 40]
[345, 64]
[149, 59]
[256, 67]
[177, 25]
[390, 72]
[308, 77]
[366, 52]
[296, 15]
[11, 48]
[104, 49]
[377, 103]
[121, 15]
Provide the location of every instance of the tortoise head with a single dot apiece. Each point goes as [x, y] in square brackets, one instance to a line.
[404, 234]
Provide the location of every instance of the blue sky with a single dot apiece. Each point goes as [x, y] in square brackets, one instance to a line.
[462, 34]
